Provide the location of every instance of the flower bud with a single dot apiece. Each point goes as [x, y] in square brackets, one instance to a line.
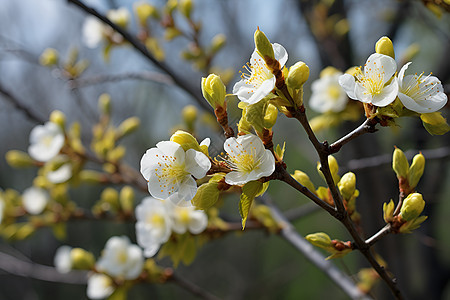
[126, 199]
[328, 71]
[304, 180]
[435, 123]
[270, 117]
[82, 259]
[347, 185]
[218, 42]
[186, 140]
[388, 211]
[104, 103]
[298, 75]
[189, 114]
[400, 163]
[18, 159]
[213, 90]
[171, 33]
[91, 176]
[321, 240]
[412, 207]
[128, 126]
[384, 46]
[185, 7]
[49, 57]
[144, 11]
[334, 168]
[263, 45]
[110, 197]
[58, 118]
[416, 170]
[170, 6]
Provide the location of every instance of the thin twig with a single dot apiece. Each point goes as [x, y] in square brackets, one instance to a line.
[148, 76]
[379, 235]
[192, 288]
[368, 126]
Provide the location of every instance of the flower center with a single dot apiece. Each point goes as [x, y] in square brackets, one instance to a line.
[47, 140]
[184, 216]
[334, 92]
[122, 257]
[156, 220]
[257, 73]
[418, 88]
[170, 171]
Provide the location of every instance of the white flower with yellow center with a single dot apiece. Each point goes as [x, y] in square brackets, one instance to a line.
[187, 219]
[45, 141]
[35, 200]
[120, 258]
[420, 94]
[99, 286]
[248, 159]
[169, 170]
[260, 82]
[373, 85]
[327, 95]
[153, 225]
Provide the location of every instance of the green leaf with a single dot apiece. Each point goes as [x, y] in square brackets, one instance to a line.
[206, 196]
[249, 192]
[255, 114]
[280, 151]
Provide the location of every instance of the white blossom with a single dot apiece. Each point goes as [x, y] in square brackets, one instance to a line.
[188, 219]
[61, 174]
[119, 16]
[374, 84]
[92, 32]
[248, 159]
[169, 170]
[260, 82]
[327, 95]
[99, 286]
[35, 200]
[63, 260]
[45, 141]
[420, 94]
[120, 258]
[153, 225]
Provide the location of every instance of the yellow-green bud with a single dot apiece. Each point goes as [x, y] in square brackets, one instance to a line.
[126, 199]
[104, 103]
[40, 182]
[328, 71]
[263, 45]
[384, 46]
[81, 259]
[298, 75]
[213, 90]
[111, 197]
[171, 33]
[185, 7]
[49, 57]
[218, 42]
[304, 180]
[321, 240]
[270, 118]
[144, 11]
[435, 123]
[416, 170]
[59, 118]
[412, 207]
[347, 185]
[400, 163]
[171, 5]
[18, 159]
[117, 153]
[91, 176]
[24, 231]
[189, 114]
[186, 140]
[128, 126]
[388, 211]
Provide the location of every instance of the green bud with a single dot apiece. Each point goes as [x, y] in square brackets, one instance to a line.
[126, 199]
[328, 71]
[410, 53]
[116, 154]
[347, 185]
[58, 118]
[409, 226]
[82, 259]
[435, 123]
[334, 168]
[388, 211]
[49, 57]
[416, 170]
[270, 117]
[186, 140]
[412, 207]
[321, 240]
[304, 180]
[189, 114]
[185, 7]
[128, 126]
[171, 5]
[144, 11]
[400, 163]
[298, 75]
[104, 103]
[18, 159]
[171, 33]
[263, 45]
[90, 176]
[384, 46]
[213, 90]
[110, 197]
[218, 42]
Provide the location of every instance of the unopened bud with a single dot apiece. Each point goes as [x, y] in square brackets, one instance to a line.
[400, 164]
[171, 33]
[189, 114]
[270, 118]
[82, 259]
[126, 199]
[384, 46]
[91, 176]
[304, 180]
[144, 11]
[186, 140]
[412, 207]
[334, 168]
[213, 90]
[321, 240]
[128, 126]
[185, 7]
[263, 45]
[49, 57]
[218, 42]
[59, 118]
[104, 103]
[298, 75]
[435, 123]
[388, 211]
[111, 197]
[416, 170]
[18, 159]
[347, 185]
[171, 5]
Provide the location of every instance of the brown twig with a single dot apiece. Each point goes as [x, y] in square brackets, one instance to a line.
[368, 126]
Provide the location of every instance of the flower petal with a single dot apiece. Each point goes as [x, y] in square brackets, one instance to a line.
[188, 188]
[347, 82]
[236, 178]
[197, 163]
[387, 95]
[198, 221]
[380, 64]
[280, 54]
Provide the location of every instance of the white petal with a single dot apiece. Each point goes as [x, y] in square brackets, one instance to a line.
[92, 32]
[188, 189]
[236, 178]
[62, 260]
[198, 222]
[151, 250]
[387, 95]
[149, 160]
[177, 200]
[232, 146]
[206, 142]
[267, 164]
[280, 54]
[362, 94]
[34, 200]
[197, 163]
[60, 175]
[380, 64]
[263, 90]
[173, 149]
[156, 187]
[99, 286]
[347, 82]
[252, 144]
[135, 262]
[401, 74]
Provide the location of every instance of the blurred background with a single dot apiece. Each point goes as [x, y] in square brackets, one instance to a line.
[252, 264]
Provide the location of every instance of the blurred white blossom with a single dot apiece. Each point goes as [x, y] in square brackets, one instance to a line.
[99, 286]
[45, 141]
[62, 259]
[61, 174]
[34, 200]
[327, 95]
[188, 219]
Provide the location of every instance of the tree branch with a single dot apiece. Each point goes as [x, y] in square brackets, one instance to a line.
[368, 126]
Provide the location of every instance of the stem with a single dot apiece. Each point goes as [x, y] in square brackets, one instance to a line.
[379, 235]
[368, 126]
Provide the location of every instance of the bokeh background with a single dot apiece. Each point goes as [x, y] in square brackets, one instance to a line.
[252, 264]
